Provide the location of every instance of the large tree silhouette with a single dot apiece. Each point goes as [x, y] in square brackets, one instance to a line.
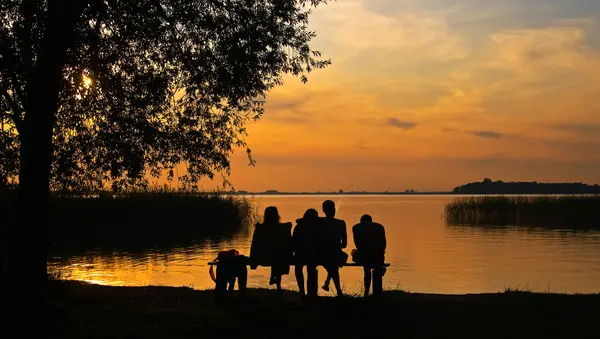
[113, 91]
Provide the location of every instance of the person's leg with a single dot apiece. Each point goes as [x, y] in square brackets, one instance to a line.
[300, 279]
[242, 278]
[278, 283]
[272, 278]
[334, 272]
[312, 280]
[222, 282]
[377, 281]
[367, 280]
[327, 281]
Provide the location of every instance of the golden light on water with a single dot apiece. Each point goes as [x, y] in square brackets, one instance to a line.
[425, 254]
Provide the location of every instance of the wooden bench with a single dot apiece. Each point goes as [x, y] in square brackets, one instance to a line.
[223, 285]
[387, 264]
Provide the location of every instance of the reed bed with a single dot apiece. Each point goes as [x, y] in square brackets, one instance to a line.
[141, 218]
[572, 211]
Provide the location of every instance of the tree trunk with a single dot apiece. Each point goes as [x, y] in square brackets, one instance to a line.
[29, 242]
[23, 287]
[27, 261]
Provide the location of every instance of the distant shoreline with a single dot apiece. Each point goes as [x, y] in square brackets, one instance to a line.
[485, 187]
[392, 193]
[337, 193]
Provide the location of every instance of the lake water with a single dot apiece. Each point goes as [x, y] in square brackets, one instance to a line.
[426, 255]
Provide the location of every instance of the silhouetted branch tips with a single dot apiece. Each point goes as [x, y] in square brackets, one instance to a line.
[137, 57]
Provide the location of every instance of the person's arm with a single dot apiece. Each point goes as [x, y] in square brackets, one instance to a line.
[287, 234]
[344, 235]
[295, 237]
[289, 241]
[357, 239]
[383, 240]
[255, 246]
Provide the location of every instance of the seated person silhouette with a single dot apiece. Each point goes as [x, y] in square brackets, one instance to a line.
[369, 238]
[272, 246]
[333, 238]
[305, 242]
[231, 266]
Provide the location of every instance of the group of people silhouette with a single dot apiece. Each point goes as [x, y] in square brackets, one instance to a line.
[318, 241]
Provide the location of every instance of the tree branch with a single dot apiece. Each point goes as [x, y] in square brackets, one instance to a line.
[95, 39]
[8, 67]
[14, 107]
[17, 89]
[165, 16]
[27, 8]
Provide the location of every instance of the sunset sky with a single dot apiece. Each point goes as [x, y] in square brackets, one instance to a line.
[431, 94]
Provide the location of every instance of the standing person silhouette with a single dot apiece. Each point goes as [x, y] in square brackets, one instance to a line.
[333, 238]
[305, 241]
[369, 238]
[272, 246]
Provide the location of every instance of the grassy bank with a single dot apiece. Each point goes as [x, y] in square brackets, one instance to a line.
[79, 310]
[577, 212]
[141, 218]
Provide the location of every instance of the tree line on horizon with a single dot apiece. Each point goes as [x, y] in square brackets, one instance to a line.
[487, 186]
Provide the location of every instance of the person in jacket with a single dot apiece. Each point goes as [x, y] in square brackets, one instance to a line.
[369, 238]
[272, 246]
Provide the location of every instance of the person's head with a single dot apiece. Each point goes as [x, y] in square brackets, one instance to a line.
[366, 218]
[311, 214]
[329, 208]
[271, 215]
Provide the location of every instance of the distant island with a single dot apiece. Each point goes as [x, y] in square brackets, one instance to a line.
[487, 186]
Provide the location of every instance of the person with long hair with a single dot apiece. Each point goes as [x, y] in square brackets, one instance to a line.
[272, 246]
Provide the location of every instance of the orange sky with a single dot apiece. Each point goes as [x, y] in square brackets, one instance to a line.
[431, 94]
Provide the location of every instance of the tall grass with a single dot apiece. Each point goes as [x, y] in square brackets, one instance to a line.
[140, 219]
[577, 212]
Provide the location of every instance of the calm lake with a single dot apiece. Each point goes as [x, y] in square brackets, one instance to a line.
[426, 255]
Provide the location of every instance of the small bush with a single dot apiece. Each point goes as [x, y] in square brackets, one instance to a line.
[141, 218]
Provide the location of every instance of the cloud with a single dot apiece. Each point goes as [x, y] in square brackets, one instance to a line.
[405, 125]
[487, 134]
[554, 47]
[293, 119]
[352, 27]
[578, 128]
